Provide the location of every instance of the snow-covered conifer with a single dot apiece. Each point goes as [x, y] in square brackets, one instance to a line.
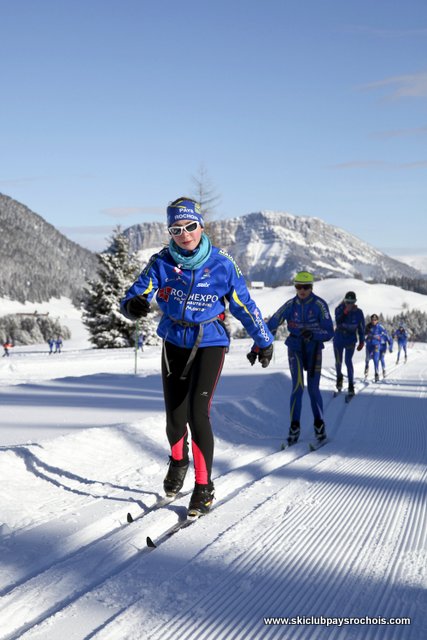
[117, 270]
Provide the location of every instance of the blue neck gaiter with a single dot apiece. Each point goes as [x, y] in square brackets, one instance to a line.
[196, 258]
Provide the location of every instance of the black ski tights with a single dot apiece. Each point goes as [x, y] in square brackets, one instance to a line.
[188, 402]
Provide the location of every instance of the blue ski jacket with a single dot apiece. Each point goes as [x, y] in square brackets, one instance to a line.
[401, 336]
[311, 314]
[349, 326]
[190, 299]
[375, 336]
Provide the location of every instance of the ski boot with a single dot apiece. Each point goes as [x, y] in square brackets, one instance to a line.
[175, 476]
[319, 430]
[339, 382]
[406, 358]
[366, 372]
[294, 431]
[201, 500]
[377, 378]
[384, 373]
[350, 391]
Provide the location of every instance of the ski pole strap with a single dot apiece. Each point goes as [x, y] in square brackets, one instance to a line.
[165, 356]
[196, 345]
[192, 355]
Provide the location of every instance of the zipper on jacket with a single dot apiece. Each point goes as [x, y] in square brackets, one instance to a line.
[188, 295]
[184, 306]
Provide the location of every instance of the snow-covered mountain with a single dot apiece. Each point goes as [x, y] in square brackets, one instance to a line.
[272, 246]
[417, 262]
[37, 262]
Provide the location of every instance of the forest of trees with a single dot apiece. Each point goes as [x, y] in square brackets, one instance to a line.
[415, 323]
[19, 329]
[419, 285]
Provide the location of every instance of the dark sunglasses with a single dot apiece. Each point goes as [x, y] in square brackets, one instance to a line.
[189, 228]
[298, 287]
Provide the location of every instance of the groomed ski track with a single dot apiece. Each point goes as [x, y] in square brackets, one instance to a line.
[337, 533]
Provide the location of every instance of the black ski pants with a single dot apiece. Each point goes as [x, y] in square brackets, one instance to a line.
[188, 402]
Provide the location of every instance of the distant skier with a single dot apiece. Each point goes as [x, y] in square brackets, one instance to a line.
[193, 279]
[386, 343]
[141, 341]
[401, 336]
[350, 328]
[51, 343]
[6, 347]
[310, 325]
[58, 344]
[375, 333]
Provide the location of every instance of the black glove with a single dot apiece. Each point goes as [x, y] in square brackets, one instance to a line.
[252, 357]
[137, 307]
[265, 356]
[306, 335]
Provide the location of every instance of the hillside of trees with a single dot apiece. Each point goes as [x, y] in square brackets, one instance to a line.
[37, 262]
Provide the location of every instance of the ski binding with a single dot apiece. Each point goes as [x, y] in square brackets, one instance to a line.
[313, 446]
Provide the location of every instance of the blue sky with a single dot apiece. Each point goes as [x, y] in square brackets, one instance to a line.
[316, 107]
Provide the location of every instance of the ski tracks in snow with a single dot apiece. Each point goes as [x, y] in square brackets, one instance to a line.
[340, 532]
[351, 544]
[48, 592]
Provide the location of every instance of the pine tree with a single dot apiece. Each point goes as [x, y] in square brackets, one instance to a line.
[117, 270]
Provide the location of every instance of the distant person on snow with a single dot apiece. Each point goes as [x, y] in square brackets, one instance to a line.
[401, 336]
[310, 325]
[375, 333]
[350, 328]
[6, 347]
[193, 279]
[51, 343]
[58, 344]
[386, 343]
[141, 341]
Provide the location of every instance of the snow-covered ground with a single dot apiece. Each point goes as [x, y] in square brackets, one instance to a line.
[340, 532]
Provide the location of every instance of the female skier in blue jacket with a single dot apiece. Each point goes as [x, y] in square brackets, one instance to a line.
[310, 325]
[401, 337]
[375, 335]
[193, 279]
[350, 328]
